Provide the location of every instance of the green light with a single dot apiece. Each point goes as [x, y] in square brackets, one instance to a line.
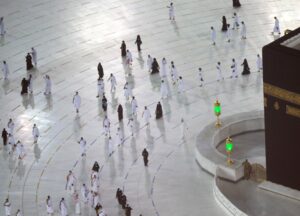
[229, 146]
[217, 109]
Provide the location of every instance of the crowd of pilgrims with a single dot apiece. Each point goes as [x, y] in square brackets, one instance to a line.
[90, 196]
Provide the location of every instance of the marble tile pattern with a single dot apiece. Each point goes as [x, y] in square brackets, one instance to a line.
[71, 37]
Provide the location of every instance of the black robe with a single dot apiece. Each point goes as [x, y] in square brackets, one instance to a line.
[154, 67]
[24, 85]
[145, 157]
[120, 112]
[123, 49]
[100, 71]
[246, 69]
[29, 65]
[4, 136]
[104, 103]
[224, 24]
[236, 3]
[138, 43]
[158, 111]
[128, 211]
[96, 167]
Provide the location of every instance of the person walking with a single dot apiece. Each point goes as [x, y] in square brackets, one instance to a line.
[82, 143]
[49, 206]
[77, 101]
[29, 65]
[228, 33]
[5, 70]
[104, 103]
[120, 112]
[149, 62]
[127, 91]
[224, 24]
[100, 70]
[163, 71]
[34, 56]
[243, 31]
[63, 207]
[128, 58]
[158, 111]
[113, 82]
[219, 69]
[106, 125]
[134, 106]
[234, 69]
[236, 3]
[200, 77]
[163, 89]
[171, 11]
[146, 115]
[48, 85]
[7, 207]
[246, 69]
[276, 28]
[71, 180]
[259, 63]
[4, 136]
[110, 146]
[123, 49]
[2, 29]
[138, 42]
[213, 35]
[120, 136]
[35, 133]
[180, 87]
[236, 22]
[145, 155]
[11, 126]
[100, 87]
[174, 74]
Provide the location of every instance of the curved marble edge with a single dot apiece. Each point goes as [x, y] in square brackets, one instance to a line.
[225, 203]
[206, 153]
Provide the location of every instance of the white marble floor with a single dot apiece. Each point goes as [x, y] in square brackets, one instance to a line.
[71, 37]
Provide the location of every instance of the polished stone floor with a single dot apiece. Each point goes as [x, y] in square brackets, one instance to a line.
[71, 37]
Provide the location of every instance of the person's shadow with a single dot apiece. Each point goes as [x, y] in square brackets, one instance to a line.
[141, 60]
[37, 152]
[2, 40]
[21, 169]
[49, 101]
[175, 27]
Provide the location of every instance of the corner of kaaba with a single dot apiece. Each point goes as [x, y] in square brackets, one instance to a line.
[281, 63]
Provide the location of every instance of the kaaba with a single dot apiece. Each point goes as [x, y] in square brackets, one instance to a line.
[281, 76]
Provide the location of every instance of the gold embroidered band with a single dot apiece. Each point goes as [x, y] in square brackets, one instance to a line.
[292, 111]
[282, 94]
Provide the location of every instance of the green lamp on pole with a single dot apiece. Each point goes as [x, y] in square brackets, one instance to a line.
[229, 149]
[217, 109]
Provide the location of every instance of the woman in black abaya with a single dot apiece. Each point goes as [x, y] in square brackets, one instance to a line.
[24, 85]
[155, 67]
[158, 111]
[224, 24]
[29, 65]
[246, 69]
[123, 49]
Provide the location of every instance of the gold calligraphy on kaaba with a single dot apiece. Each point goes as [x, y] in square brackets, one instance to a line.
[282, 94]
[292, 111]
[276, 105]
[265, 101]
